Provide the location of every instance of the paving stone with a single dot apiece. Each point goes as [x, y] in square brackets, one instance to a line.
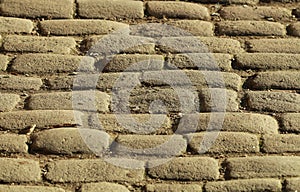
[134, 62]
[199, 45]
[173, 187]
[245, 185]
[4, 60]
[92, 170]
[78, 100]
[8, 102]
[226, 142]
[183, 10]
[268, 61]
[275, 80]
[281, 143]
[113, 44]
[198, 79]
[274, 45]
[23, 188]
[12, 143]
[19, 170]
[106, 9]
[60, 45]
[263, 167]
[255, 13]
[15, 25]
[255, 28]
[187, 168]
[52, 63]
[273, 101]
[291, 122]
[41, 118]
[200, 61]
[294, 29]
[292, 184]
[11, 82]
[244, 2]
[70, 141]
[103, 187]
[82, 27]
[134, 123]
[149, 145]
[194, 27]
[231, 122]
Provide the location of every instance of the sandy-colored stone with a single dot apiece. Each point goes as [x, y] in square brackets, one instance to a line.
[19, 170]
[281, 143]
[173, 9]
[4, 60]
[242, 2]
[263, 167]
[187, 168]
[60, 45]
[255, 28]
[92, 170]
[78, 100]
[290, 45]
[8, 101]
[173, 187]
[224, 142]
[273, 101]
[291, 122]
[52, 63]
[244, 185]
[103, 187]
[194, 27]
[11, 82]
[25, 188]
[294, 29]
[42, 119]
[12, 143]
[107, 9]
[15, 25]
[292, 184]
[82, 27]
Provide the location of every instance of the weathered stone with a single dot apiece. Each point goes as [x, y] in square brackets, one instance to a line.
[281, 143]
[4, 60]
[194, 27]
[25, 188]
[291, 122]
[173, 187]
[15, 25]
[8, 102]
[292, 184]
[11, 82]
[12, 143]
[274, 45]
[103, 187]
[294, 29]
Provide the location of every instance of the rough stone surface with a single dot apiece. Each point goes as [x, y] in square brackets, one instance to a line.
[134, 123]
[188, 168]
[274, 45]
[82, 27]
[23, 188]
[247, 185]
[275, 80]
[42, 119]
[76, 100]
[4, 60]
[92, 170]
[226, 142]
[294, 29]
[149, 145]
[103, 187]
[292, 184]
[37, 8]
[70, 140]
[8, 102]
[12, 143]
[291, 122]
[231, 122]
[60, 45]
[268, 61]
[243, 2]
[182, 10]
[255, 28]
[15, 25]
[194, 27]
[273, 101]
[10, 82]
[19, 170]
[173, 187]
[255, 13]
[52, 63]
[281, 143]
[263, 167]
[200, 61]
[106, 9]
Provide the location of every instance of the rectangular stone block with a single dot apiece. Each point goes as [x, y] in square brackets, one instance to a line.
[263, 167]
[187, 168]
[292, 184]
[103, 186]
[291, 122]
[281, 143]
[25, 188]
[38, 8]
[4, 60]
[8, 101]
[92, 170]
[106, 9]
[13, 143]
[290, 45]
[10, 82]
[194, 27]
[173, 187]
[15, 25]
[294, 29]
[60, 45]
